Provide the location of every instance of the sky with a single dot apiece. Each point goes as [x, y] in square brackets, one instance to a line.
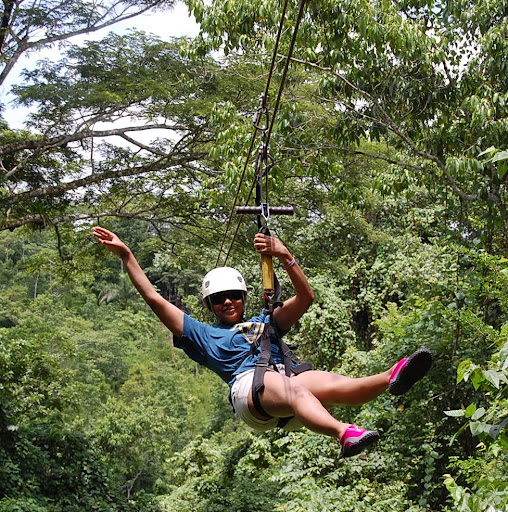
[174, 23]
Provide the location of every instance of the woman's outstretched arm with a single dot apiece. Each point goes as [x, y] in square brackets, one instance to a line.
[168, 313]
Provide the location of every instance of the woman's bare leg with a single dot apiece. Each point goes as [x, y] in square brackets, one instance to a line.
[283, 397]
[307, 395]
[334, 389]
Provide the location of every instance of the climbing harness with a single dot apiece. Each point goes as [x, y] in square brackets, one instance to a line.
[292, 365]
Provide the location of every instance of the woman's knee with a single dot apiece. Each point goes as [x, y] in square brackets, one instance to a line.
[298, 391]
[328, 387]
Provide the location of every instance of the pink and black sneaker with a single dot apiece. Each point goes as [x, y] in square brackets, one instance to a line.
[355, 439]
[410, 370]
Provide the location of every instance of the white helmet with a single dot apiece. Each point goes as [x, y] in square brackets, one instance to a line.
[222, 279]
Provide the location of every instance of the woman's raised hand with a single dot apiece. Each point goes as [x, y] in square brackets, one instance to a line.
[111, 241]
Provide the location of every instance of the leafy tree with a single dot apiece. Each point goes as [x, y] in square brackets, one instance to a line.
[77, 106]
[428, 78]
[45, 465]
[478, 482]
[46, 468]
[28, 26]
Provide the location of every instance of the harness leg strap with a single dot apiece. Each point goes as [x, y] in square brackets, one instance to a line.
[257, 387]
[291, 364]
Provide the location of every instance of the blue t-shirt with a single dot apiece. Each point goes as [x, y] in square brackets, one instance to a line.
[225, 350]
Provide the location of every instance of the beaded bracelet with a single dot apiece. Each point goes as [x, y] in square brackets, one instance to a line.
[290, 264]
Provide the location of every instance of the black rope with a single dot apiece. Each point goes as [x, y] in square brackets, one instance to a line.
[253, 138]
[286, 68]
[275, 50]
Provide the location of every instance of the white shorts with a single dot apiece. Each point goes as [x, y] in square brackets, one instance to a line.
[240, 391]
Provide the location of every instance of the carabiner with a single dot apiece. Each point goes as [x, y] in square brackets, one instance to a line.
[262, 110]
[265, 213]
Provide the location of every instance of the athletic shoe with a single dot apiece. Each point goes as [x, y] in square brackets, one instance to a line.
[410, 370]
[355, 439]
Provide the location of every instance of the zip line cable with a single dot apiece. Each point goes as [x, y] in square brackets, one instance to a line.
[286, 68]
[268, 131]
[253, 138]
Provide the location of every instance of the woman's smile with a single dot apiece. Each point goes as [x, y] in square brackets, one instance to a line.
[230, 311]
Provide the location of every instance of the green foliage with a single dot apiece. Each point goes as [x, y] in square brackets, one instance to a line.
[486, 421]
[499, 157]
[489, 494]
[97, 369]
[325, 331]
[401, 75]
[48, 468]
[389, 141]
[32, 383]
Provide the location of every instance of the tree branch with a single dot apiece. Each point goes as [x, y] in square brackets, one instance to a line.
[353, 152]
[6, 18]
[392, 126]
[147, 215]
[140, 145]
[57, 190]
[23, 44]
[49, 143]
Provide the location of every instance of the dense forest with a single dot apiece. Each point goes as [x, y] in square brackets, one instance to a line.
[388, 126]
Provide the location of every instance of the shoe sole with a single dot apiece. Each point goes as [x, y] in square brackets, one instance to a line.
[357, 446]
[418, 364]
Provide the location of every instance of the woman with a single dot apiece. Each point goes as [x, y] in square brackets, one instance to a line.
[225, 348]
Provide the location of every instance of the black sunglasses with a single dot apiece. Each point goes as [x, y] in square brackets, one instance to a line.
[220, 298]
